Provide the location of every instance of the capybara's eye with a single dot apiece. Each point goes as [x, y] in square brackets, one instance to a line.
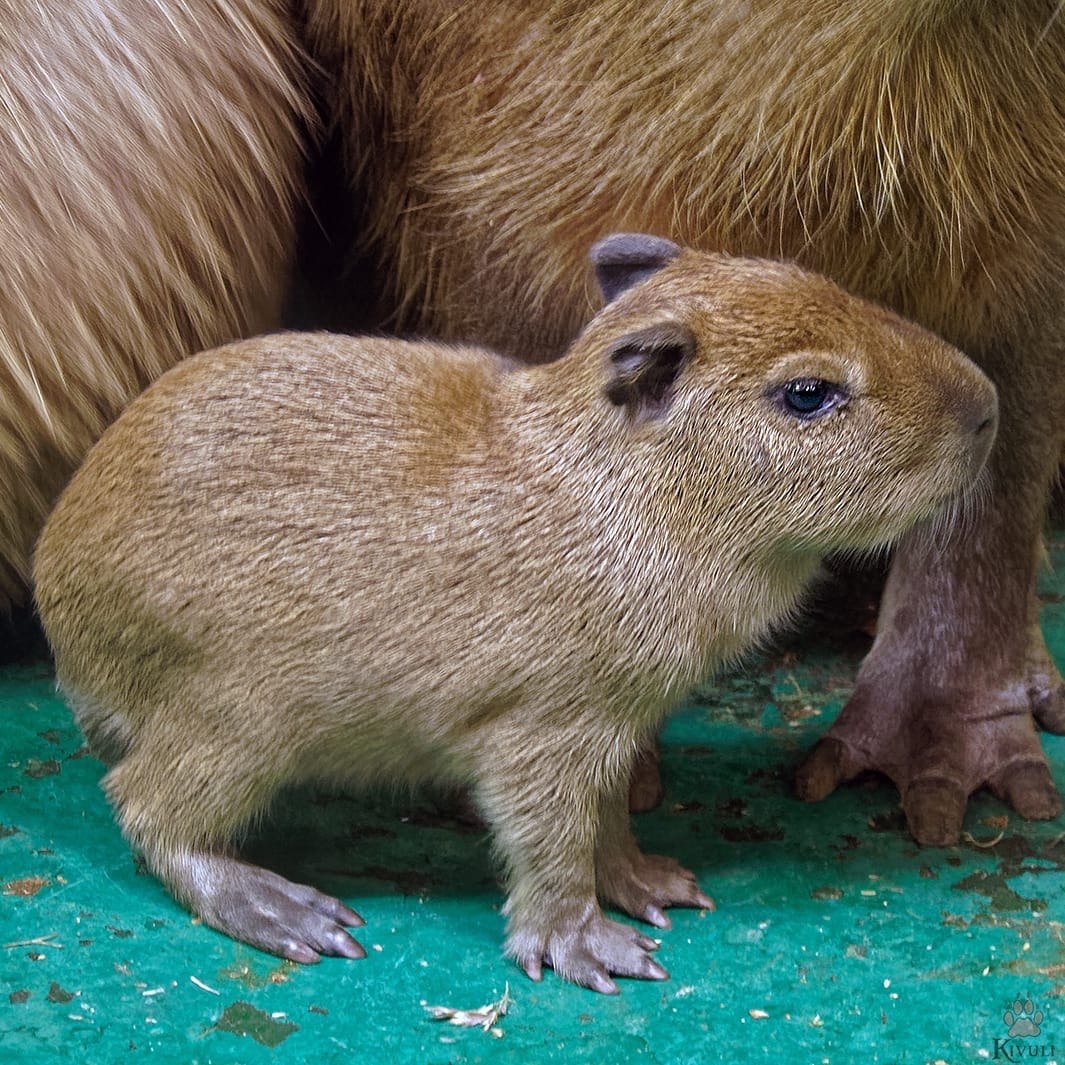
[808, 397]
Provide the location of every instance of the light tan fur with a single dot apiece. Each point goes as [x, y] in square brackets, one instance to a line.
[308, 557]
[150, 156]
[913, 150]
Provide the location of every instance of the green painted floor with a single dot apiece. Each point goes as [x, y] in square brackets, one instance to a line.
[835, 940]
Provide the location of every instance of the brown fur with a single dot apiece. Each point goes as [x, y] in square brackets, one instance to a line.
[313, 557]
[913, 150]
[149, 158]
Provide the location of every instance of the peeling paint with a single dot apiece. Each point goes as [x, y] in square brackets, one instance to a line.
[1003, 897]
[37, 769]
[27, 887]
[244, 1019]
[750, 833]
[826, 892]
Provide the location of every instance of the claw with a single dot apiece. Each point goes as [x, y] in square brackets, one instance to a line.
[534, 969]
[654, 971]
[704, 902]
[653, 915]
[343, 946]
[347, 916]
[645, 942]
[300, 952]
[599, 981]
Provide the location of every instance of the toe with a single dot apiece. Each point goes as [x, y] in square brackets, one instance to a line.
[339, 944]
[1029, 789]
[704, 902]
[1048, 706]
[344, 915]
[828, 765]
[934, 811]
[329, 907]
[645, 942]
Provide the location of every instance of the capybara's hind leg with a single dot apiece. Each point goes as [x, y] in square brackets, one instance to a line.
[256, 906]
[944, 701]
[182, 809]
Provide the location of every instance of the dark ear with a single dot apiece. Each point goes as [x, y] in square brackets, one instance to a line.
[624, 259]
[644, 367]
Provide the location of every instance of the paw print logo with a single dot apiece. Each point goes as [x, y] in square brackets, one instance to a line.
[1023, 1018]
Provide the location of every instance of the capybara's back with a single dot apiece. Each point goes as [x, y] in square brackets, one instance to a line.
[910, 149]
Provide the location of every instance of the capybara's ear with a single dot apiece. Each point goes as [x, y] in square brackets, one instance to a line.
[624, 259]
[643, 368]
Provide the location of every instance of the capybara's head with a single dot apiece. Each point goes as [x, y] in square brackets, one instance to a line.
[764, 395]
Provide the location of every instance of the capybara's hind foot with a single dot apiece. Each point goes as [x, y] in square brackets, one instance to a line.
[261, 908]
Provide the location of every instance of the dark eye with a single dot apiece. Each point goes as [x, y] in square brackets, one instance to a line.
[808, 397]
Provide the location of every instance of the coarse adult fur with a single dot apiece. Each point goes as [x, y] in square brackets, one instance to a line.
[150, 158]
[309, 557]
[913, 150]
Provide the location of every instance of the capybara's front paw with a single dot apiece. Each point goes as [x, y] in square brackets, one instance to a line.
[643, 885]
[588, 950]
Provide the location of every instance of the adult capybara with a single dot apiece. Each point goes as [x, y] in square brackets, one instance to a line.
[150, 157]
[913, 150]
[312, 557]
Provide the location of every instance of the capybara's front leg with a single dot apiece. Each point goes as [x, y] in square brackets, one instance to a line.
[544, 800]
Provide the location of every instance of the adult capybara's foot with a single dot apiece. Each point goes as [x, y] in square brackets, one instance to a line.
[937, 751]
